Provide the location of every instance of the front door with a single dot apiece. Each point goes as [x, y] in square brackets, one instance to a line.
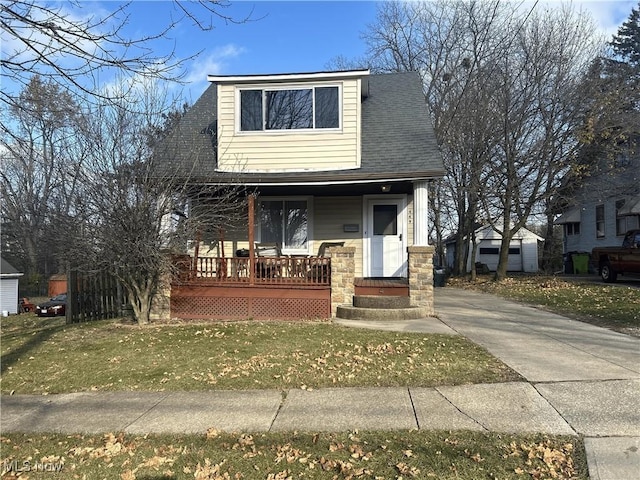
[385, 235]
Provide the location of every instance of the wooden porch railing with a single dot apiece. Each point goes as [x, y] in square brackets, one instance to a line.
[286, 270]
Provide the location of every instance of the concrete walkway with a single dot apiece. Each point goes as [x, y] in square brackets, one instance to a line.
[578, 379]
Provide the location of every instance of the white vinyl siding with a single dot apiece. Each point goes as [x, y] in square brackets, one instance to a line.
[290, 150]
[9, 295]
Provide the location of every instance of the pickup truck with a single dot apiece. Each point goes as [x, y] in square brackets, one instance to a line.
[612, 261]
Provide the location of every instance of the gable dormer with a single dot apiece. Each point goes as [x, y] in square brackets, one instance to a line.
[290, 123]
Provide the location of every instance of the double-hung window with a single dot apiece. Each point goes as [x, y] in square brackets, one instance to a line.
[311, 108]
[600, 221]
[285, 222]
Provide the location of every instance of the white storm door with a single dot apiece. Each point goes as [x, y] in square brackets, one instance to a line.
[386, 235]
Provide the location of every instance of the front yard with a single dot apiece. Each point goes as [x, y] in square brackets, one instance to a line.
[46, 356]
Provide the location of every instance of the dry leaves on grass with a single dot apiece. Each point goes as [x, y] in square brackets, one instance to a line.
[349, 456]
[542, 460]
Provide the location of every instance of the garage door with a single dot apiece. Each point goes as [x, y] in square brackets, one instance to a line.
[489, 254]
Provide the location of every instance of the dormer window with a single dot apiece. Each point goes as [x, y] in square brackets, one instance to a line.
[289, 109]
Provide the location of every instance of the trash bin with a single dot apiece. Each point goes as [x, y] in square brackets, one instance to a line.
[580, 263]
[438, 277]
[568, 263]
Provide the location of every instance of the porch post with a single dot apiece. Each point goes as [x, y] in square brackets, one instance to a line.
[421, 277]
[343, 269]
[421, 213]
[252, 252]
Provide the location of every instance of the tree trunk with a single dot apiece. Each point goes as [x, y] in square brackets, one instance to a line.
[550, 246]
[140, 302]
[501, 270]
[474, 251]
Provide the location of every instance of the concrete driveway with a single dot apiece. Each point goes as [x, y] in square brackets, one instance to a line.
[589, 375]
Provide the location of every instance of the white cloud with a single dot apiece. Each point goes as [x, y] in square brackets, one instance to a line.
[64, 20]
[214, 63]
[607, 14]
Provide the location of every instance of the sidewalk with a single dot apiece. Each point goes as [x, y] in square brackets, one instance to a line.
[508, 407]
[580, 379]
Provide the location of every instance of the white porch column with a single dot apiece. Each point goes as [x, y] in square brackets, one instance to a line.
[420, 213]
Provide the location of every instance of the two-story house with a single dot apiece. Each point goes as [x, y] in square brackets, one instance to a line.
[603, 206]
[336, 159]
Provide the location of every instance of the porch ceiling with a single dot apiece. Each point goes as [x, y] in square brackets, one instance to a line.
[334, 190]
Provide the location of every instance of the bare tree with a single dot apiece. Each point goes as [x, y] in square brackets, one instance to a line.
[502, 86]
[453, 44]
[72, 48]
[41, 159]
[66, 48]
[133, 215]
[539, 108]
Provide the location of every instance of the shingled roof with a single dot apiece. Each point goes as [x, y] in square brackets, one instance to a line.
[8, 270]
[398, 140]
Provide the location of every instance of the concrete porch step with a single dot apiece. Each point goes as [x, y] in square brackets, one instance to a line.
[349, 312]
[381, 301]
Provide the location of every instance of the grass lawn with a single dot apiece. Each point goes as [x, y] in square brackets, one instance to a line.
[47, 356]
[354, 455]
[616, 307]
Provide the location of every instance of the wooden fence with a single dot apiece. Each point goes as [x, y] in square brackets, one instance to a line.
[92, 296]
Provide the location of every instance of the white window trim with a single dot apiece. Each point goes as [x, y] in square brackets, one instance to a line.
[293, 131]
[289, 251]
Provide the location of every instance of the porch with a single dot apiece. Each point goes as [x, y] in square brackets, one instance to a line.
[290, 287]
[287, 287]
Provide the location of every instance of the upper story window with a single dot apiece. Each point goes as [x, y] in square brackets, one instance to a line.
[599, 221]
[572, 228]
[289, 109]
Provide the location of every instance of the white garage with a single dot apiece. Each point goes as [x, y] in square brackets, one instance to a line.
[9, 278]
[523, 250]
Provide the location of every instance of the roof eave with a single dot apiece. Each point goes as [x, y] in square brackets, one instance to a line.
[266, 180]
[280, 77]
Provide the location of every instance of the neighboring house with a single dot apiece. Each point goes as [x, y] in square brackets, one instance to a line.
[599, 223]
[9, 278]
[603, 209]
[523, 250]
[335, 157]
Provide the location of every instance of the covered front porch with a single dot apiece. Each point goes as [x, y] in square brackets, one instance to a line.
[208, 295]
[336, 251]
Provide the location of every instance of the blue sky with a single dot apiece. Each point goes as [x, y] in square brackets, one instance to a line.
[284, 36]
[297, 36]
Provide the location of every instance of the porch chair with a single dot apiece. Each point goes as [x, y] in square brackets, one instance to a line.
[321, 271]
[268, 259]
